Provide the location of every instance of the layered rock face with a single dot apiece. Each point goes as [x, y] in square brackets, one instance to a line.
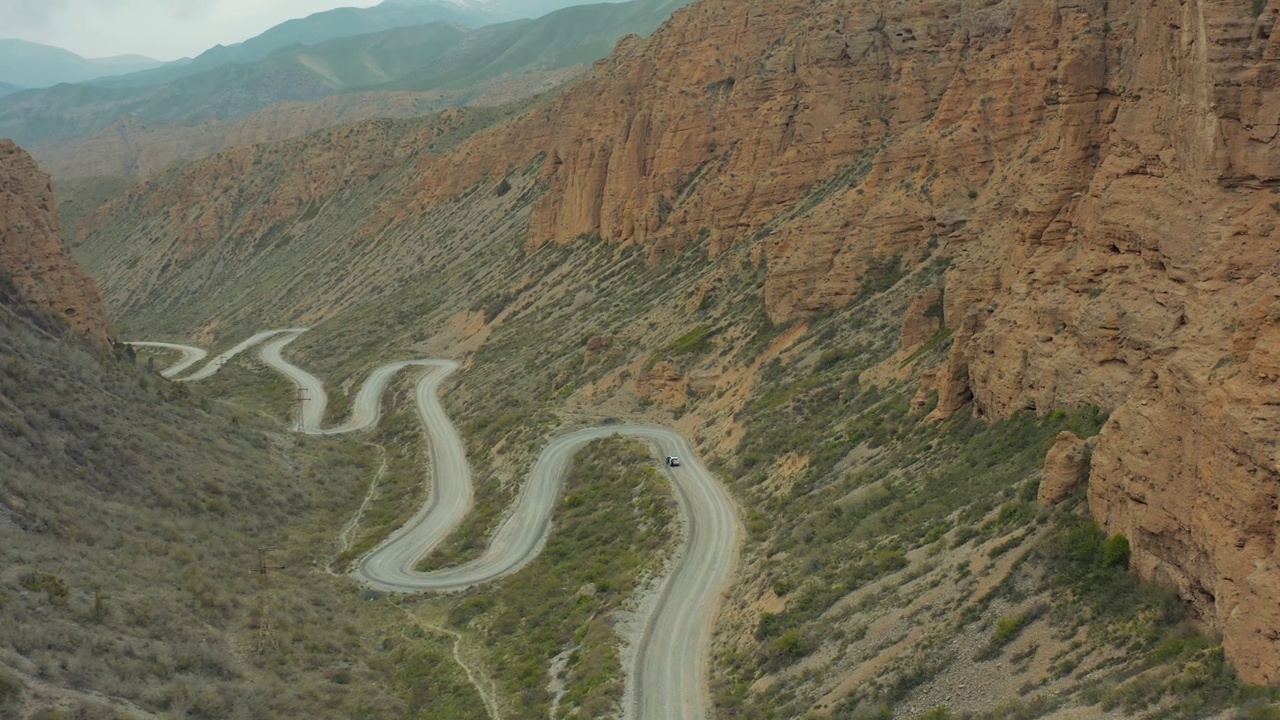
[923, 318]
[1101, 173]
[1142, 278]
[33, 253]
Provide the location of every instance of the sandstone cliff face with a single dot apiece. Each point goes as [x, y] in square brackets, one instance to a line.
[33, 253]
[1066, 467]
[1142, 280]
[923, 318]
[1119, 244]
[1100, 172]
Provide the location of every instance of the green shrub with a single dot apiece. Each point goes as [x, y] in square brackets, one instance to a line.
[696, 341]
[51, 585]
[1116, 552]
[829, 359]
[787, 649]
[1008, 628]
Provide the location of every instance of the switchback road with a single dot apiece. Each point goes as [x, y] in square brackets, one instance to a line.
[669, 676]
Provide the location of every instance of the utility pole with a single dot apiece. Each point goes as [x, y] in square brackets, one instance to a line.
[265, 632]
[263, 567]
[300, 399]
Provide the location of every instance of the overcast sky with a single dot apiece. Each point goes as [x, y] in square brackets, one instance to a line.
[162, 29]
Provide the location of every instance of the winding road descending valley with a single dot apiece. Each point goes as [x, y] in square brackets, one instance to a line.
[669, 677]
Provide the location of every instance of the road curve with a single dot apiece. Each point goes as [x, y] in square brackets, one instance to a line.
[190, 356]
[669, 675]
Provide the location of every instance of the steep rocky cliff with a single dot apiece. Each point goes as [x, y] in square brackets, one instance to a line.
[33, 253]
[1139, 274]
[1099, 174]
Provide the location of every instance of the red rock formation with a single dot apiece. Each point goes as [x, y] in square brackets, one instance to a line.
[1143, 279]
[664, 385]
[923, 318]
[1099, 170]
[33, 253]
[1066, 467]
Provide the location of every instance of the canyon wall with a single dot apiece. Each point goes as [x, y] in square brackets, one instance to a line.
[1101, 173]
[33, 253]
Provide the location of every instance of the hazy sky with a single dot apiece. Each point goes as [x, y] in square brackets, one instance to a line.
[162, 29]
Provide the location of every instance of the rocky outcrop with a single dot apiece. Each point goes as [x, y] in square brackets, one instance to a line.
[923, 319]
[1142, 280]
[1066, 467]
[1187, 468]
[33, 253]
[663, 385]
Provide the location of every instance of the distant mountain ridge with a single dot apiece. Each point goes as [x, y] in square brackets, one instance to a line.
[491, 65]
[510, 9]
[316, 29]
[32, 65]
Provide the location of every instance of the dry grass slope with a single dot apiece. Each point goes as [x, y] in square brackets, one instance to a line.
[133, 512]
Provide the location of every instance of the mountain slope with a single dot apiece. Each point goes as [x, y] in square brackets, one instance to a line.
[132, 147]
[316, 29]
[135, 516]
[508, 9]
[8, 89]
[437, 58]
[569, 37]
[31, 65]
[873, 257]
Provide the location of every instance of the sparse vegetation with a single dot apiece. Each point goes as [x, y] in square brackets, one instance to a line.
[901, 554]
[696, 341]
[151, 594]
[613, 530]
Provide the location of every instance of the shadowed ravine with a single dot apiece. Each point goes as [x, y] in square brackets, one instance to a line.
[669, 675]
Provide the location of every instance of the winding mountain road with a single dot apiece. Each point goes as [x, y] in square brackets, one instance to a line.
[669, 676]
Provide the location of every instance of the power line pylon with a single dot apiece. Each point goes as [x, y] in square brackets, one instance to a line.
[266, 632]
[300, 400]
[263, 567]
